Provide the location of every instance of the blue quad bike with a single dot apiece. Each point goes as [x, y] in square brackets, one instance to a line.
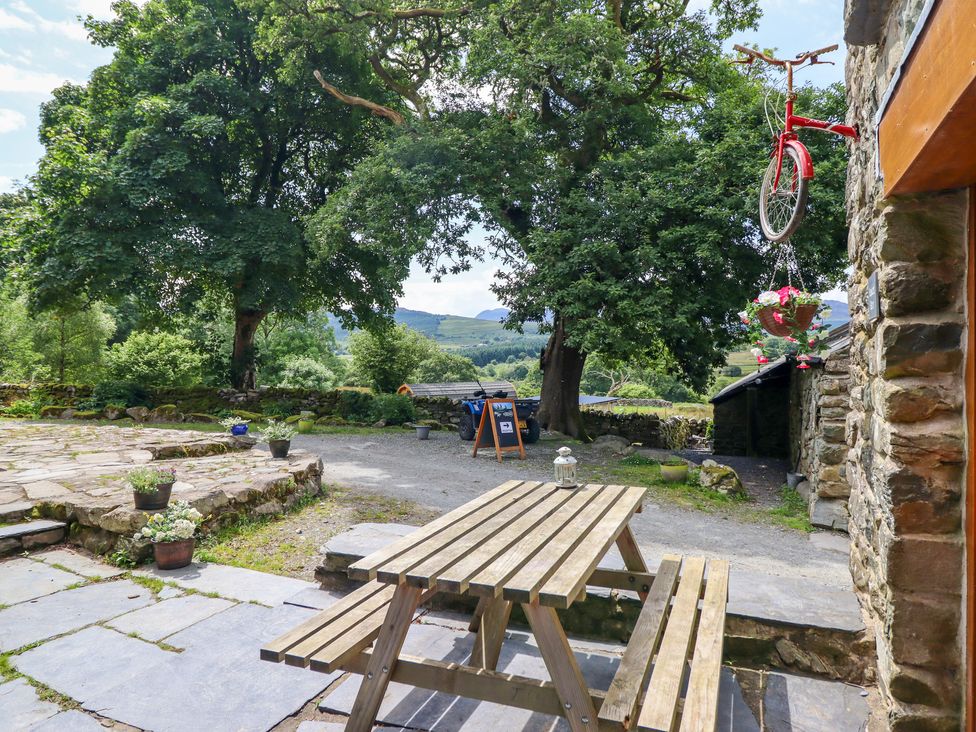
[471, 410]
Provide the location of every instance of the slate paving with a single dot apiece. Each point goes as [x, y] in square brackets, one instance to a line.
[78, 563]
[214, 679]
[27, 580]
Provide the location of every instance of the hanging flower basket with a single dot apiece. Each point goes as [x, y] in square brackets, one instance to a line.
[786, 313]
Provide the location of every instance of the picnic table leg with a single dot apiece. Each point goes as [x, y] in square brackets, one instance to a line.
[631, 553]
[386, 650]
[565, 672]
[491, 633]
[478, 613]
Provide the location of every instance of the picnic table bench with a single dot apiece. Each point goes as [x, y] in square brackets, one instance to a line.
[537, 545]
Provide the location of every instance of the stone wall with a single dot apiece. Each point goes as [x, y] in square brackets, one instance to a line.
[819, 403]
[906, 429]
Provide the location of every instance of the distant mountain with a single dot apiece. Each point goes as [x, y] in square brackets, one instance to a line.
[495, 314]
[839, 314]
[452, 331]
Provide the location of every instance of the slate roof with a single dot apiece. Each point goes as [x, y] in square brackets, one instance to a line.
[456, 389]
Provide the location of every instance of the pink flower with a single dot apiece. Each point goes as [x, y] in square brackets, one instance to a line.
[814, 326]
[812, 342]
[791, 339]
[762, 359]
[778, 317]
[803, 366]
[785, 293]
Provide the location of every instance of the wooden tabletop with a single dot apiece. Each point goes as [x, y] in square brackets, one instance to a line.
[523, 541]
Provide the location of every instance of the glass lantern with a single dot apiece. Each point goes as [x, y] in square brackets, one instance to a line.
[564, 467]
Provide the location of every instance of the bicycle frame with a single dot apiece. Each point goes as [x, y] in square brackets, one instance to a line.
[789, 138]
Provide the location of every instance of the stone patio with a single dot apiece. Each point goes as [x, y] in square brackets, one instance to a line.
[103, 644]
[76, 475]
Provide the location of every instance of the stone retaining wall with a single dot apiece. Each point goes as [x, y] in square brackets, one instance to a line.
[906, 428]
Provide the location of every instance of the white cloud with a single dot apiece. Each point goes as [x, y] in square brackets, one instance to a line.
[6, 184]
[72, 29]
[8, 21]
[11, 120]
[467, 293]
[16, 80]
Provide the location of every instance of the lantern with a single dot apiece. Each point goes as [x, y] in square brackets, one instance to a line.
[564, 468]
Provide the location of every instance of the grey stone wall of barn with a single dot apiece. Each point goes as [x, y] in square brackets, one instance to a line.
[906, 428]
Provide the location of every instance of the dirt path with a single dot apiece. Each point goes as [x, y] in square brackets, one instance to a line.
[440, 475]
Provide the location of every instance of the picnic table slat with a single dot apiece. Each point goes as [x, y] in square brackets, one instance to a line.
[492, 578]
[635, 666]
[301, 653]
[661, 701]
[525, 584]
[489, 555]
[275, 650]
[365, 568]
[569, 580]
[421, 567]
[701, 701]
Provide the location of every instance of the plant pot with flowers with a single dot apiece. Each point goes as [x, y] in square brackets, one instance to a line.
[171, 533]
[151, 487]
[790, 314]
[235, 425]
[278, 436]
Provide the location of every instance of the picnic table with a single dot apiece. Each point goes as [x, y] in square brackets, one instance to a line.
[540, 546]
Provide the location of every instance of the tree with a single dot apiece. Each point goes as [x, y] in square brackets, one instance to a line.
[72, 341]
[385, 358]
[303, 372]
[281, 340]
[186, 166]
[442, 366]
[155, 359]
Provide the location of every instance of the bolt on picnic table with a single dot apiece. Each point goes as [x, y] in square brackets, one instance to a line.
[537, 545]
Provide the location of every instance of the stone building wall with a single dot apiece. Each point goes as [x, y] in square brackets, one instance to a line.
[819, 403]
[906, 429]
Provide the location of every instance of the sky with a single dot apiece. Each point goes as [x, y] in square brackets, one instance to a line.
[43, 44]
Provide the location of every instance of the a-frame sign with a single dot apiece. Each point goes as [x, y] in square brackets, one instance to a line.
[499, 426]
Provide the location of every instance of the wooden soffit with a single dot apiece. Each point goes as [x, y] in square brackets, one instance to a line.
[927, 136]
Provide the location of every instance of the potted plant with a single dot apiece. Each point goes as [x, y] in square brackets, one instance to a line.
[306, 422]
[171, 533]
[236, 425]
[788, 313]
[278, 436]
[151, 487]
[674, 470]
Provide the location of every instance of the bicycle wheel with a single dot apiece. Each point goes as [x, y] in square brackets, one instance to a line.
[781, 208]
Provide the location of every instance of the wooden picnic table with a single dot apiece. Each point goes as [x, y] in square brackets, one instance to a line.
[537, 545]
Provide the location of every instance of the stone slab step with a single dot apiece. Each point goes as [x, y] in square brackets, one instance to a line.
[15, 511]
[30, 535]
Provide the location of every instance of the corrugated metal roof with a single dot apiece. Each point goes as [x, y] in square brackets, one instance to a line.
[587, 400]
[457, 389]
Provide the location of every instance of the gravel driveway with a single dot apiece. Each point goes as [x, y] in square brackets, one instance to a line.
[440, 474]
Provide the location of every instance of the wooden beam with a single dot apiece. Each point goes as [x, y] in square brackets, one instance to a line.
[925, 135]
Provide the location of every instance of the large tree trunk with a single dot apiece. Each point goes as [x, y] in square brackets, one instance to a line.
[243, 374]
[562, 369]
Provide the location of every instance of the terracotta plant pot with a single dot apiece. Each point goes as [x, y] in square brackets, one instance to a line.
[674, 473]
[155, 501]
[279, 448]
[174, 554]
[804, 316]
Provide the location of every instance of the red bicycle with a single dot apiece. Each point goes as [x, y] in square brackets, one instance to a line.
[783, 197]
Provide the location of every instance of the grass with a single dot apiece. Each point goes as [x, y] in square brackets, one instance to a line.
[692, 410]
[642, 471]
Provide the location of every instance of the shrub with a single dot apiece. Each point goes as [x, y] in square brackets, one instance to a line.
[155, 359]
[276, 431]
[281, 408]
[24, 408]
[731, 370]
[116, 393]
[302, 372]
[635, 391]
[355, 405]
[393, 408]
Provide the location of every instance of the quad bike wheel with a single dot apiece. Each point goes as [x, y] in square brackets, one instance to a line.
[466, 428]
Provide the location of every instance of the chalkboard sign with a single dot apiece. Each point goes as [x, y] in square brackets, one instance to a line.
[499, 427]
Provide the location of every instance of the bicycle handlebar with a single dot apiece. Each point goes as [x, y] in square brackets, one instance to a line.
[753, 54]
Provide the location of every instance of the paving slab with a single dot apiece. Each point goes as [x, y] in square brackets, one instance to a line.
[813, 705]
[734, 714]
[161, 620]
[314, 598]
[20, 707]
[70, 721]
[30, 527]
[235, 583]
[68, 610]
[78, 563]
[312, 726]
[362, 539]
[22, 580]
[86, 663]
[793, 600]
[219, 682]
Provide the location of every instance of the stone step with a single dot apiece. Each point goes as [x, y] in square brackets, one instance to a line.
[15, 511]
[16, 538]
[783, 622]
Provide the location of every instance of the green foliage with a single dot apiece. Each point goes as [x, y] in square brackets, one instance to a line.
[21, 408]
[385, 358]
[525, 347]
[731, 370]
[147, 480]
[636, 391]
[276, 431]
[444, 366]
[355, 405]
[303, 372]
[155, 359]
[116, 393]
[393, 408]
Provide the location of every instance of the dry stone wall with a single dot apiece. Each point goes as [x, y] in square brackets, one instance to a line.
[906, 429]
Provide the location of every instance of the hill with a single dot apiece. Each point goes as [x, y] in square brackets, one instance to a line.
[453, 331]
[495, 314]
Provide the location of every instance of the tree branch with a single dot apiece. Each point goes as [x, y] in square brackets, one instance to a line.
[616, 9]
[408, 92]
[353, 101]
